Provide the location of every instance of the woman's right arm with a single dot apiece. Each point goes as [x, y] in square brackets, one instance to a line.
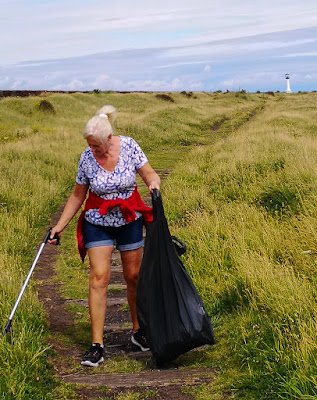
[71, 208]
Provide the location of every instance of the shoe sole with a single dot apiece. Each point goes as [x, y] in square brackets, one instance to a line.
[139, 345]
[91, 364]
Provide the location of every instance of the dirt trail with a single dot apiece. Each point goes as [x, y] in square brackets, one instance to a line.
[93, 383]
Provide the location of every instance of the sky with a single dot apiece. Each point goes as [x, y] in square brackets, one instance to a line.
[165, 45]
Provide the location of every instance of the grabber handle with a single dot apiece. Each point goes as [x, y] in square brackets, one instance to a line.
[47, 236]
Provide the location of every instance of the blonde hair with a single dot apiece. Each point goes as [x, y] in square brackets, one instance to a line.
[101, 125]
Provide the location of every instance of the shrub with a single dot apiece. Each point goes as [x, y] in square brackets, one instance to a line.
[241, 94]
[165, 97]
[47, 107]
[188, 94]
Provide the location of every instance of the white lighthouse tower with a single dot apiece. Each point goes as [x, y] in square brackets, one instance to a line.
[288, 87]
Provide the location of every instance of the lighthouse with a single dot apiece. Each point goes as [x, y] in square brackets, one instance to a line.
[288, 87]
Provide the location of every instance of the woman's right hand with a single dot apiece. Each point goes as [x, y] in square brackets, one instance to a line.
[54, 231]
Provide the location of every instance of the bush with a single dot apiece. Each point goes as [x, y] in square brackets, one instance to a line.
[188, 94]
[47, 107]
[241, 94]
[165, 97]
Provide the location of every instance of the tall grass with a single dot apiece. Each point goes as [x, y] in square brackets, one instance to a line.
[247, 207]
[36, 173]
[39, 154]
[241, 193]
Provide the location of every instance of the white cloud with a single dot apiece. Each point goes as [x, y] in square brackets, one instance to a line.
[4, 81]
[101, 81]
[106, 82]
[238, 46]
[307, 54]
[76, 84]
[179, 64]
[155, 85]
[16, 85]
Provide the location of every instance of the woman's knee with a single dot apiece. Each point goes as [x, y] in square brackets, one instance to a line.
[131, 277]
[99, 281]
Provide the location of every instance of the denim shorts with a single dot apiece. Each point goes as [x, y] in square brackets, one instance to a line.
[125, 237]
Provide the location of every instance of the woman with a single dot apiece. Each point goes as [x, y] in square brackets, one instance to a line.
[113, 215]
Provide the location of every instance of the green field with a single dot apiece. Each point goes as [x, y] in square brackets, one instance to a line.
[239, 189]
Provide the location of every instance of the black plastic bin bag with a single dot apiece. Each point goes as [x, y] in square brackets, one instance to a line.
[170, 311]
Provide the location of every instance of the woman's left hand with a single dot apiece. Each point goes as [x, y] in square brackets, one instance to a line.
[154, 185]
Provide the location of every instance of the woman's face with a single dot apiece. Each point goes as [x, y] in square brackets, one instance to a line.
[97, 147]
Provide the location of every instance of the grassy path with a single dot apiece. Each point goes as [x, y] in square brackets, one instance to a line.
[241, 193]
[40, 151]
[125, 374]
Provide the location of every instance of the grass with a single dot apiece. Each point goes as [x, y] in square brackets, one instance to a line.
[240, 193]
[256, 211]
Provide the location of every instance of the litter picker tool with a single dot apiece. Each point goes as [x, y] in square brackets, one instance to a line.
[8, 327]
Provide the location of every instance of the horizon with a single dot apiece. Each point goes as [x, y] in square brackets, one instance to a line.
[36, 92]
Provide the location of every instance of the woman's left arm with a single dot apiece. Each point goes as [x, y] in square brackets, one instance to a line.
[150, 177]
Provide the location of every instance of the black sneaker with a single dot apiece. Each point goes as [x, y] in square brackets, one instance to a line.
[139, 340]
[94, 356]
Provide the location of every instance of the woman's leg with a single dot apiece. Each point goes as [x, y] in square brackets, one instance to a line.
[99, 276]
[131, 263]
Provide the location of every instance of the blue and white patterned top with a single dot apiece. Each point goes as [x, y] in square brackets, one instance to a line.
[119, 183]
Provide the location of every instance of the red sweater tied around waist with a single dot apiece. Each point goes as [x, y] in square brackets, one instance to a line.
[127, 207]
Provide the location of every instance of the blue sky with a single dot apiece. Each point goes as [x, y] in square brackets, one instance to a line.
[166, 45]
